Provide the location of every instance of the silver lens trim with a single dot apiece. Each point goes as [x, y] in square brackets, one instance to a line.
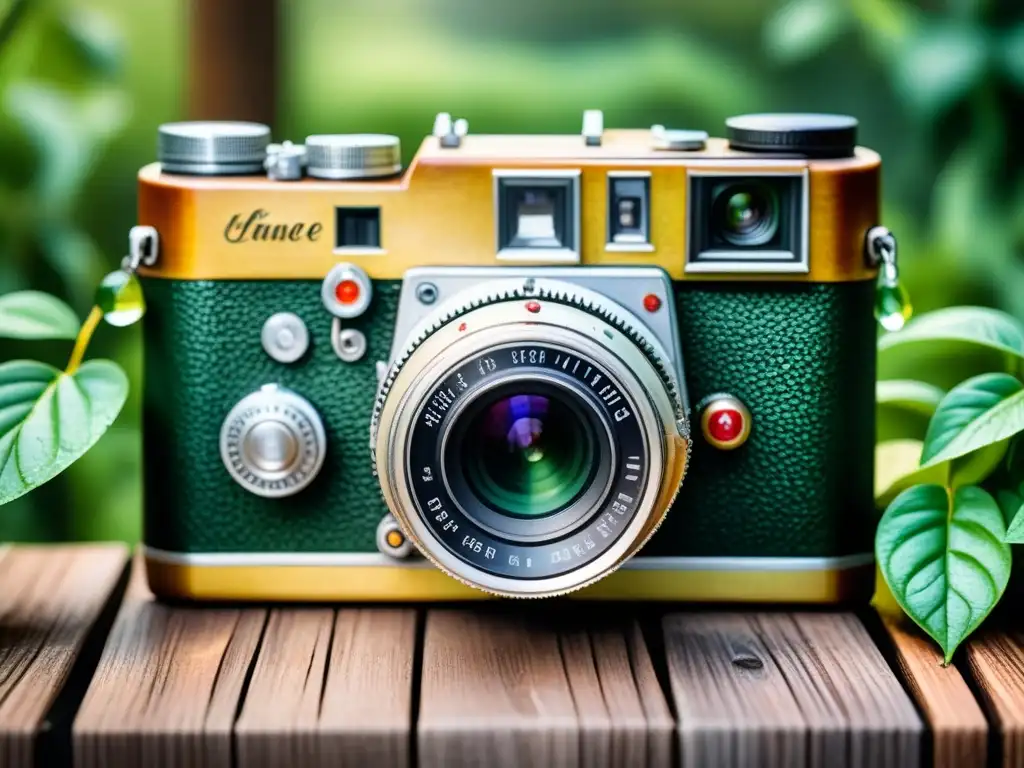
[557, 323]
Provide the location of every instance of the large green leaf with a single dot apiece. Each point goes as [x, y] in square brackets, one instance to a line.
[49, 418]
[981, 411]
[946, 346]
[36, 315]
[944, 559]
[1012, 54]
[802, 28]
[904, 409]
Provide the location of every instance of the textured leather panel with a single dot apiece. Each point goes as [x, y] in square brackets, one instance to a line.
[802, 358]
[202, 355]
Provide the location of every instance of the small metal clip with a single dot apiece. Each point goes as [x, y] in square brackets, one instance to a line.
[892, 303]
[143, 248]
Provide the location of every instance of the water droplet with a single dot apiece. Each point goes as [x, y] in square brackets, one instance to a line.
[120, 298]
[892, 305]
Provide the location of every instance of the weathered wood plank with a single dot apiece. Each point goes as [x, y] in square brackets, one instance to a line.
[995, 660]
[956, 724]
[522, 689]
[733, 704]
[366, 711]
[778, 689]
[49, 601]
[167, 687]
[884, 730]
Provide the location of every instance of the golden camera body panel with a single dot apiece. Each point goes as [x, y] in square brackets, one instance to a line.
[441, 211]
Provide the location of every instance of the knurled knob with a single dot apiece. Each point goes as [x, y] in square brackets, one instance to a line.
[353, 156]
[215, 148]
[272, 442]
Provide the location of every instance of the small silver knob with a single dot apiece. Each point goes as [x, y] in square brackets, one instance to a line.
[663, 138]
[273, 442]
[213, 148]
[353, 156]
[285, 337]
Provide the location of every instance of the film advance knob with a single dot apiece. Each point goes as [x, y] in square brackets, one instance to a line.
[272, 442]
[353, 156]
[814, 135]
[213, 148]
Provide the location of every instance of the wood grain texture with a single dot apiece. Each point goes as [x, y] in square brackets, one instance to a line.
[957, 727]
[995, 661]
[778, 689]
[884, 730]
[733, 704]
[522, 689]
[49, 599]
[330, 689]
[168, 684]
[366, 711]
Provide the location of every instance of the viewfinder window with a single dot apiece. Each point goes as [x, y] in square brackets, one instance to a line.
[357, 228]
[537, 216]
[629, 201]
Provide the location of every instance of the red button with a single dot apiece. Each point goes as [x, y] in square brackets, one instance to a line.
[726, 425]
[652, 303]
[533, 306]
[347, 291]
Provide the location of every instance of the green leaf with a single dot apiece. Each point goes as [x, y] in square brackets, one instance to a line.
[946, 346]
[975, 467]
[49, 418]
[898, 467]
[939, 64]
[1015, 533]
[904, 408]
[981, 411]
[96, 39]
[802, 28]
[944, 559]
[36, 315]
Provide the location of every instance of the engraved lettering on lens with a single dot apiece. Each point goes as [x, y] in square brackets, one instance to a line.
[527, 427]
[255, 228]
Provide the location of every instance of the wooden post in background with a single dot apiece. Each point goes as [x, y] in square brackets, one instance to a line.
[233, 60]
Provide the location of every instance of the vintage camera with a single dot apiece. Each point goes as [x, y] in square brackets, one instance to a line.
[539, 336]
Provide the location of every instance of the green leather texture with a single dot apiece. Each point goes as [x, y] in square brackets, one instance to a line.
[202, 355]
[801, 356]
[802, 359]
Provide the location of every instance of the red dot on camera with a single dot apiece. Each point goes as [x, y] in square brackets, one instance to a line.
[462, 326]
[725, 425]
[347, 291]
[652, 303]
[533, 306]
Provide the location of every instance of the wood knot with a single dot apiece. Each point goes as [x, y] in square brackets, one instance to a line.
[747, 661]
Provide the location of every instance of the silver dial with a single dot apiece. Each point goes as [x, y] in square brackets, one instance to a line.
[272, 442]
[213, 148]
[353, 156]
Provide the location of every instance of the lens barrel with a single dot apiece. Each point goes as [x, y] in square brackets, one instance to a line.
[535, 454]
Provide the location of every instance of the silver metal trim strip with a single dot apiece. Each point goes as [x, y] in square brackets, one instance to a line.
[374, 559]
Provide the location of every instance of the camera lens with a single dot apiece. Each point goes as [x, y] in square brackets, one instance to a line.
[528, 455]
[746, 214]
[527, 444]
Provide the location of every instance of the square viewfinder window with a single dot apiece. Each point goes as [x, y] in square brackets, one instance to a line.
[538, 217]
[357, 227]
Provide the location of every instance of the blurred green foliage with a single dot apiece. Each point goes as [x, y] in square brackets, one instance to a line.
[84, 84]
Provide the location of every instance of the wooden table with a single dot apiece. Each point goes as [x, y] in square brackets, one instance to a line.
[95, 673]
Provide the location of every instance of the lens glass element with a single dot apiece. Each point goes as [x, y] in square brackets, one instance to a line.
[528, 455]
[746, 214]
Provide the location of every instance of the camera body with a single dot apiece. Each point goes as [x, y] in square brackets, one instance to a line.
[296, 286]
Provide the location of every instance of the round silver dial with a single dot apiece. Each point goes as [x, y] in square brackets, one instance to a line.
[353, 156]
[272, 442]
[213, 148]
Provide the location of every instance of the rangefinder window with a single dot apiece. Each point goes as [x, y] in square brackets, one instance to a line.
[537, 215]
[629, 227]
[357, 228]
[743, 223]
